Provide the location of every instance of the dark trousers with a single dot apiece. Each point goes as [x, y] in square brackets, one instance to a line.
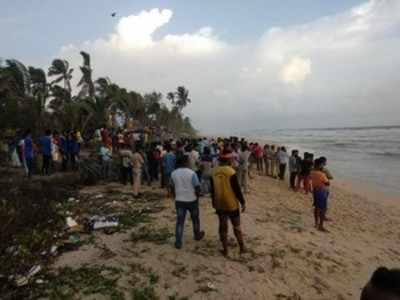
[293, 176]
[126, 174]
[72, 158]
[29, 165]
[282, 171]
[154, 169]
[146, 173]
[259, 164]
[181, 210]
[46, 164]
[65, 159]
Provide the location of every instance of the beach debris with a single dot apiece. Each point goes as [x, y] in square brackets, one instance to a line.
[100, 222]
[21, 280]
[74, 239]
[53, 250]
[211, 286]
[294, 296]
[98, 196]
[71, 223]
[71, 199]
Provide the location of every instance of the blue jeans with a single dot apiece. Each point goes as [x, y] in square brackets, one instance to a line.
[181, 209]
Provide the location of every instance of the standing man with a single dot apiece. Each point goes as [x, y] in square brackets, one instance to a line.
[64, 149]
[46, 148]
[282, 159]
[294, 168]
[243, 171]
[227, 198]
[106, 161]
[137, 164]
[28, 153]
[168, 166]
[126, 163]
[320, 185]
[186, 191]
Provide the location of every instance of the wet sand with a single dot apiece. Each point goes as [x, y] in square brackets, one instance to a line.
[288, 259]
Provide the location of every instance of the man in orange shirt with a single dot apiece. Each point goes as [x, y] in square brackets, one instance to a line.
[320, 194]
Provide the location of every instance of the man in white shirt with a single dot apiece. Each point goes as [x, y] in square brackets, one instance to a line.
[106, 160]
[186, 191]
[282, 159]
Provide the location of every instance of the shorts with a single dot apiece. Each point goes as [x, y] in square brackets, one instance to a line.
[320, 196]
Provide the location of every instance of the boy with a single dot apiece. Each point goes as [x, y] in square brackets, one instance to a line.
[320, 194]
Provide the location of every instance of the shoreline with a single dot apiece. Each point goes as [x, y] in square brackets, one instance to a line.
[367, 189]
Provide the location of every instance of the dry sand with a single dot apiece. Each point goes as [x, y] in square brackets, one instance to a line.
[289, 259]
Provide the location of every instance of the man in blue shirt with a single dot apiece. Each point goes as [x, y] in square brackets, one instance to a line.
[45, 145]
[168, 166]
[28, 152]
[73, 149]
[64, 146]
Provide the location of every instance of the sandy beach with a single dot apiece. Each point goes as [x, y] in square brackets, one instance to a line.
[288, 258]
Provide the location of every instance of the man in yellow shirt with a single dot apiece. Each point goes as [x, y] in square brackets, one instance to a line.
[227, 198]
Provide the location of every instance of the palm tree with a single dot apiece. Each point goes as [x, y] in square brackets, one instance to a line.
[171, 97]
[182, 95]
[86, 81]
[19, 79]
[40, 92]
[60, 68]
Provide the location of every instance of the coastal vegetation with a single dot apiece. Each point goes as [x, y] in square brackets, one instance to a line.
[32, 98]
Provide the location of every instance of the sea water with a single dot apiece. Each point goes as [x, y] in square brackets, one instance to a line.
[365, 154]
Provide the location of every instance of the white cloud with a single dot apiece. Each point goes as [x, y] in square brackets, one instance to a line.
[136, 31]
[343, 66]
[296, 70]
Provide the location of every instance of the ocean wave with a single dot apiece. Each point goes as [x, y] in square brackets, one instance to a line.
[386, 154]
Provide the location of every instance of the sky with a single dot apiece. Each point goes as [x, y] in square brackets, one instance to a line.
[247, 64]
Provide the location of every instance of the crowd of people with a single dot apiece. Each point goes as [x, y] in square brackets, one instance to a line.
[58, 151]
[140, 159]
[191, 168]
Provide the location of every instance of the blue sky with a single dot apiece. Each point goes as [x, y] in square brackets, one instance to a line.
[34, 30]
[247, 64]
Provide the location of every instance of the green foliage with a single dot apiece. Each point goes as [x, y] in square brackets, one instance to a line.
[29, 100]
[153, 235]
